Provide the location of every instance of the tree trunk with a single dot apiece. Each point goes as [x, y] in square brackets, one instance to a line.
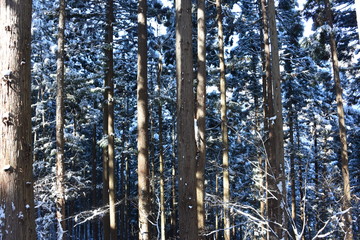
[224, 132]
[16, 179]
[161, 156]
[346, 204]
[200, 117]
[60, 141]
[109, 88]
[185, 122]
[143, 122]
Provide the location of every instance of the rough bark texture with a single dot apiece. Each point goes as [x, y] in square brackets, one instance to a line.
[200, 116]
[16, 181]
[142, 106]
[109, 86]
[60, 141]
[185, 122]
[276, 206]
[224, 131]
[346, 204]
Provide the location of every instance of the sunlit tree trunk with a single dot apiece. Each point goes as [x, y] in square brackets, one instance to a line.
[161, 155]
[188, 228]
[200, 116]
[266, 76]
[143, 122]
[60, 141]
[109, 89]
[346, 204]
[224, 132]
[16, 177]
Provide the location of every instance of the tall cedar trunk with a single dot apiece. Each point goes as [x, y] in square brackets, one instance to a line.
[357, 5]
[16, 179]
[200, 116]
[267, 95]
[109, 88]
[188, 228]
[142, 106]
[60, 141]
[161, 156]
[346, 204]
[224, 132]
[276, 211]
[105, 192]
[265, 58]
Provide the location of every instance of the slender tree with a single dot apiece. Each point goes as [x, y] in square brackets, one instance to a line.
[224, 131]
[267, 92]
[200, 115]
[109, 88]
[346, 204]
[185, 122]
[16, 179]
[60, 141]
[161, 154]
[142, 105]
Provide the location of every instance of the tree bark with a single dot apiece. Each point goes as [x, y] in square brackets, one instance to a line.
[143, 122]
[161, 156]
[109, 88]
[16, 179]
[224, 131]
[200, 116]
[346, 204]
[60, 141]
[276, 210]
[185, 122]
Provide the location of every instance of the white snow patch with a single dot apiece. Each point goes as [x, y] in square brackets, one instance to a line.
[13, 206]
[279, 186]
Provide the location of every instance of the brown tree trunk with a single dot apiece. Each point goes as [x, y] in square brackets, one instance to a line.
[109, 89]
[60, 141]
[185, 122]
[200, 117]
[276, 208]
[143, 122]
[346, 204]
[224, 132]
[16, 179]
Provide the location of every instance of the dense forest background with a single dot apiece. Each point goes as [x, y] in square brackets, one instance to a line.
[313, 199]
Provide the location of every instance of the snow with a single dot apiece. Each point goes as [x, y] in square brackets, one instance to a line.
[6, 73]
[279, 186]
